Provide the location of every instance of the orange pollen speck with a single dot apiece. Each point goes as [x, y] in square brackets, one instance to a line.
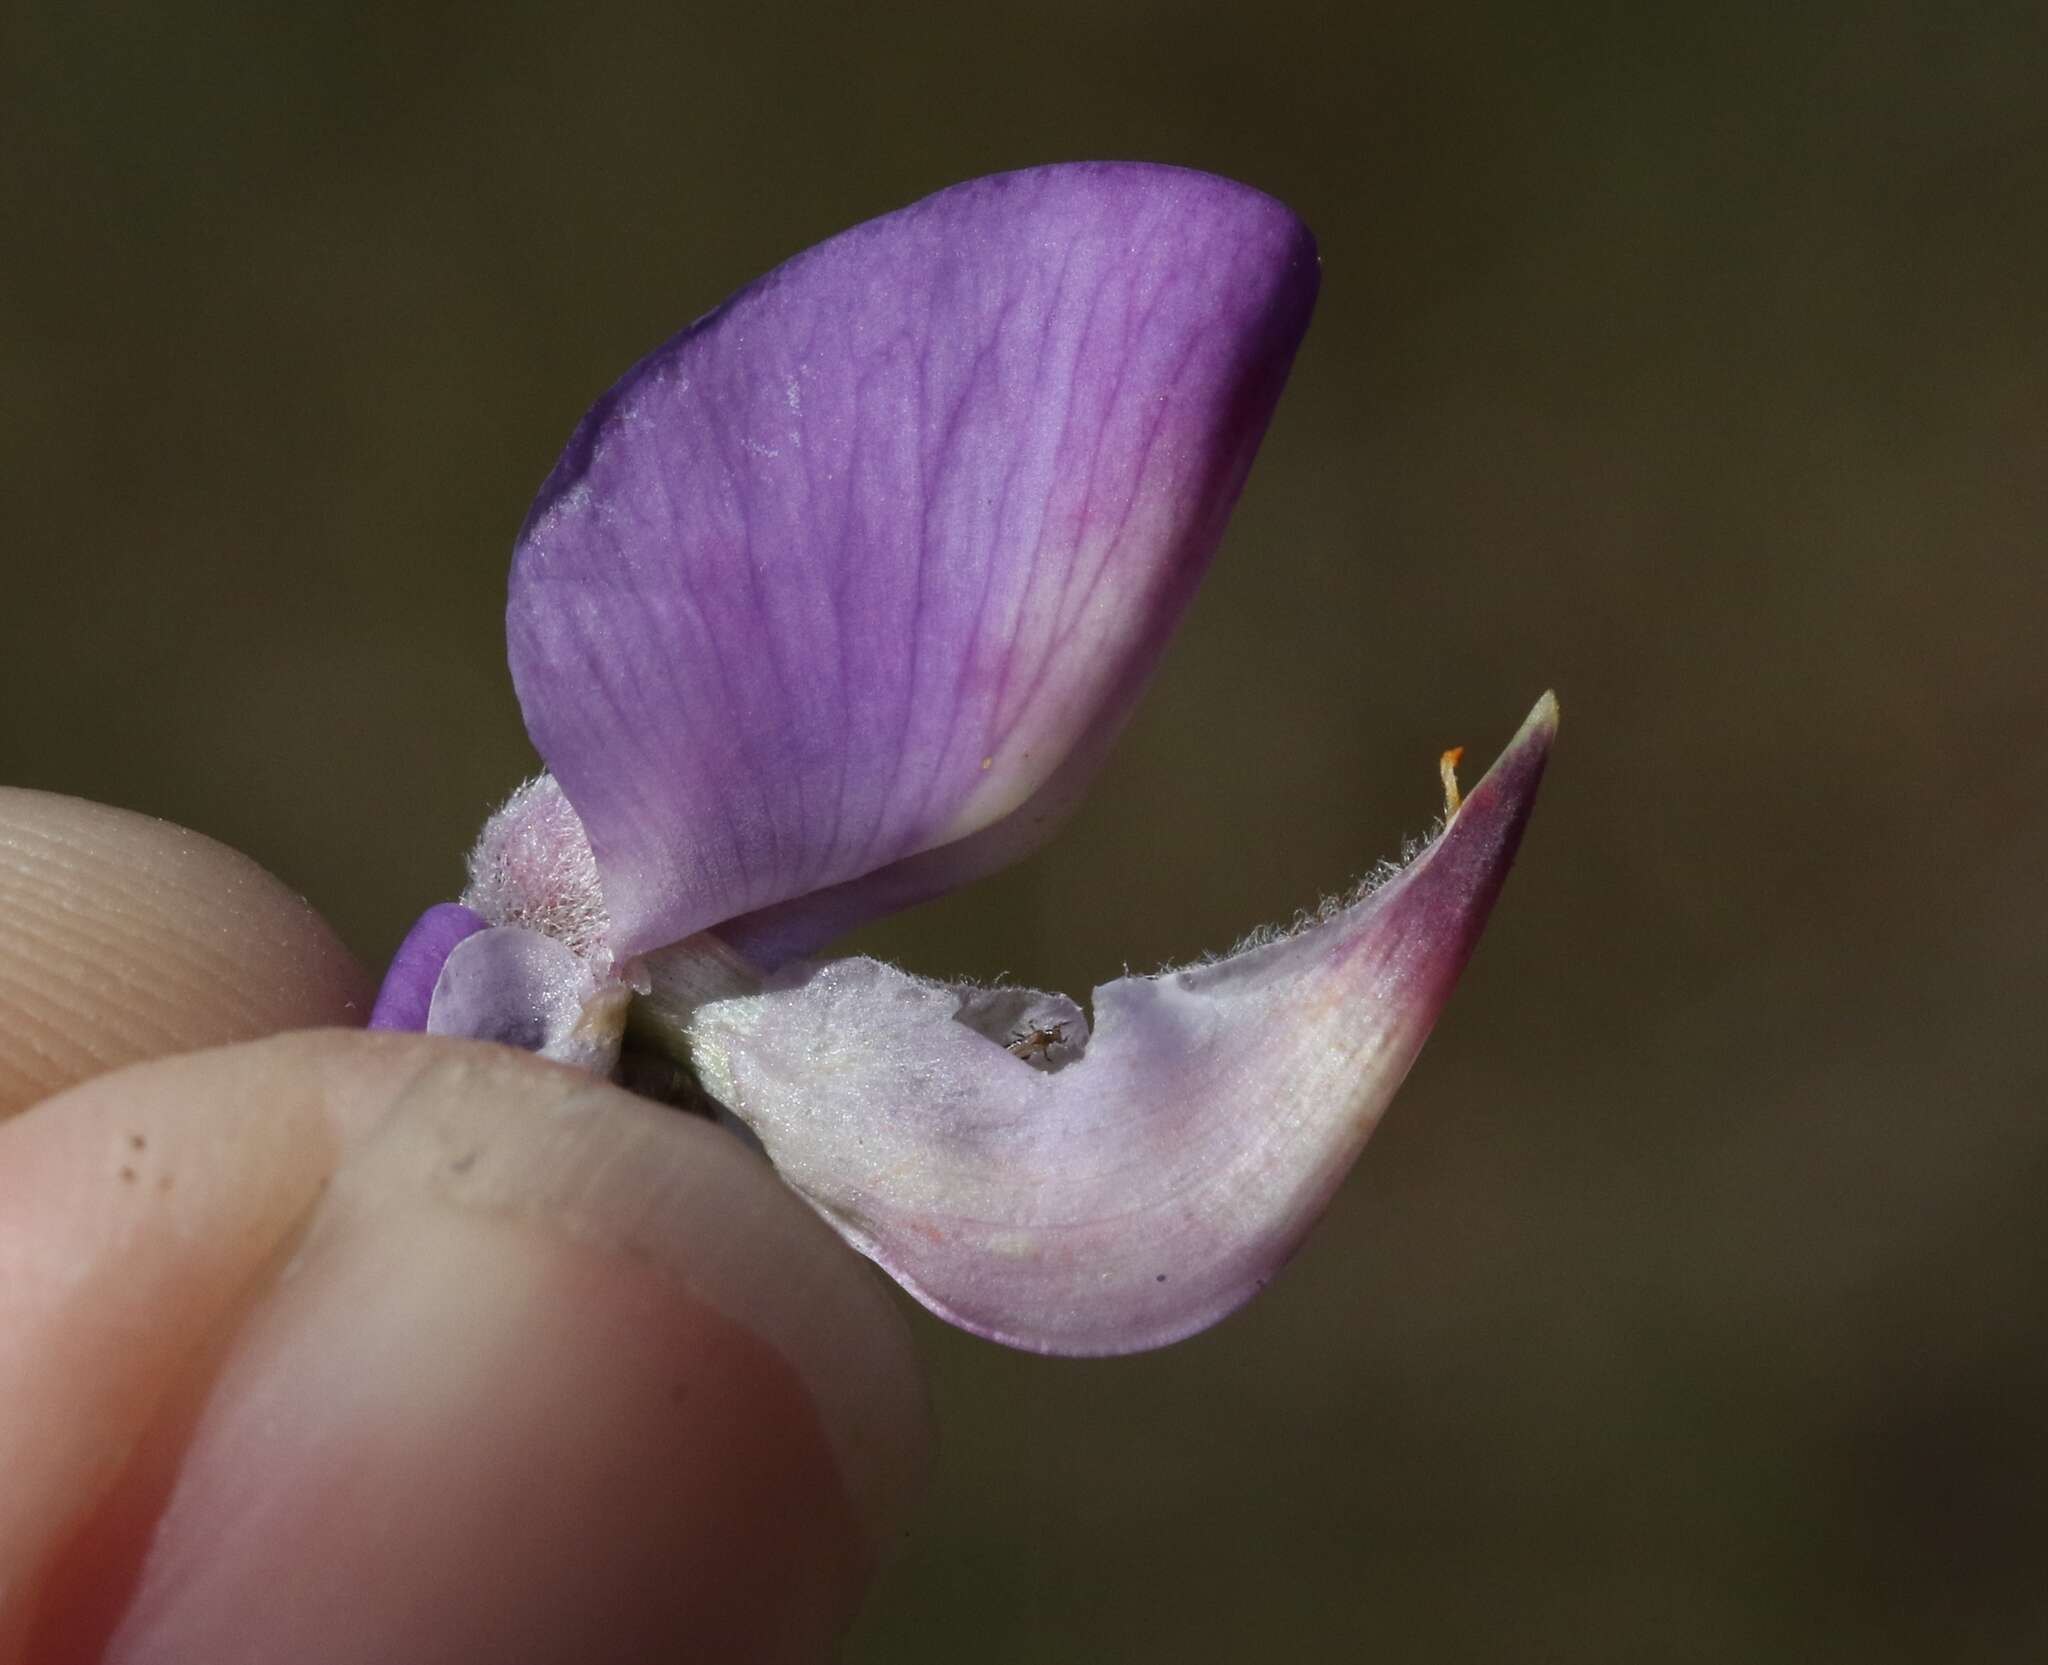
[1447, 766]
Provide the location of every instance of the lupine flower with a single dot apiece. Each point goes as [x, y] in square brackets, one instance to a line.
[834, 602]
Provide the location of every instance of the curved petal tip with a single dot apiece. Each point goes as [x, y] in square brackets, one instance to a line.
[1157, 1177]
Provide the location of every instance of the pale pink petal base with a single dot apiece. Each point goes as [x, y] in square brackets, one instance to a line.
[1161, 1170]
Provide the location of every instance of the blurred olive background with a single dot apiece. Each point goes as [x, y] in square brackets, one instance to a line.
[1691, 360]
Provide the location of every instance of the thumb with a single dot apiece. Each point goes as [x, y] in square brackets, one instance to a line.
[344, 1347]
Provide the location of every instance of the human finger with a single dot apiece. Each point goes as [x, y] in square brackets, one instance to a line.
[123, 937]
[339, 1347]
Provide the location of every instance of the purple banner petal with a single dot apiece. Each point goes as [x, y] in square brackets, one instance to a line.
[873, 560]
[1077, 1193]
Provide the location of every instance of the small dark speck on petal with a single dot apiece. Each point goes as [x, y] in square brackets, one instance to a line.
[466, 1161]
[163, 1184]
[1161, 1278]
[137, 1142]
[127, 1176]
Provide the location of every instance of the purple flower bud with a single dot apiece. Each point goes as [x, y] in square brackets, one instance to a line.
[404, 1000]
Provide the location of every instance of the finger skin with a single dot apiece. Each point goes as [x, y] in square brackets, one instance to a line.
[345, 1347]
[123, 937]
[393, 1347]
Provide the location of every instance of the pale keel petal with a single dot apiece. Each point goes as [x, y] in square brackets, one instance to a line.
[1154, 1182]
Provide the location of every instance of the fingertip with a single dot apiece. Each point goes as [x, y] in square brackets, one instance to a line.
[123, 937]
